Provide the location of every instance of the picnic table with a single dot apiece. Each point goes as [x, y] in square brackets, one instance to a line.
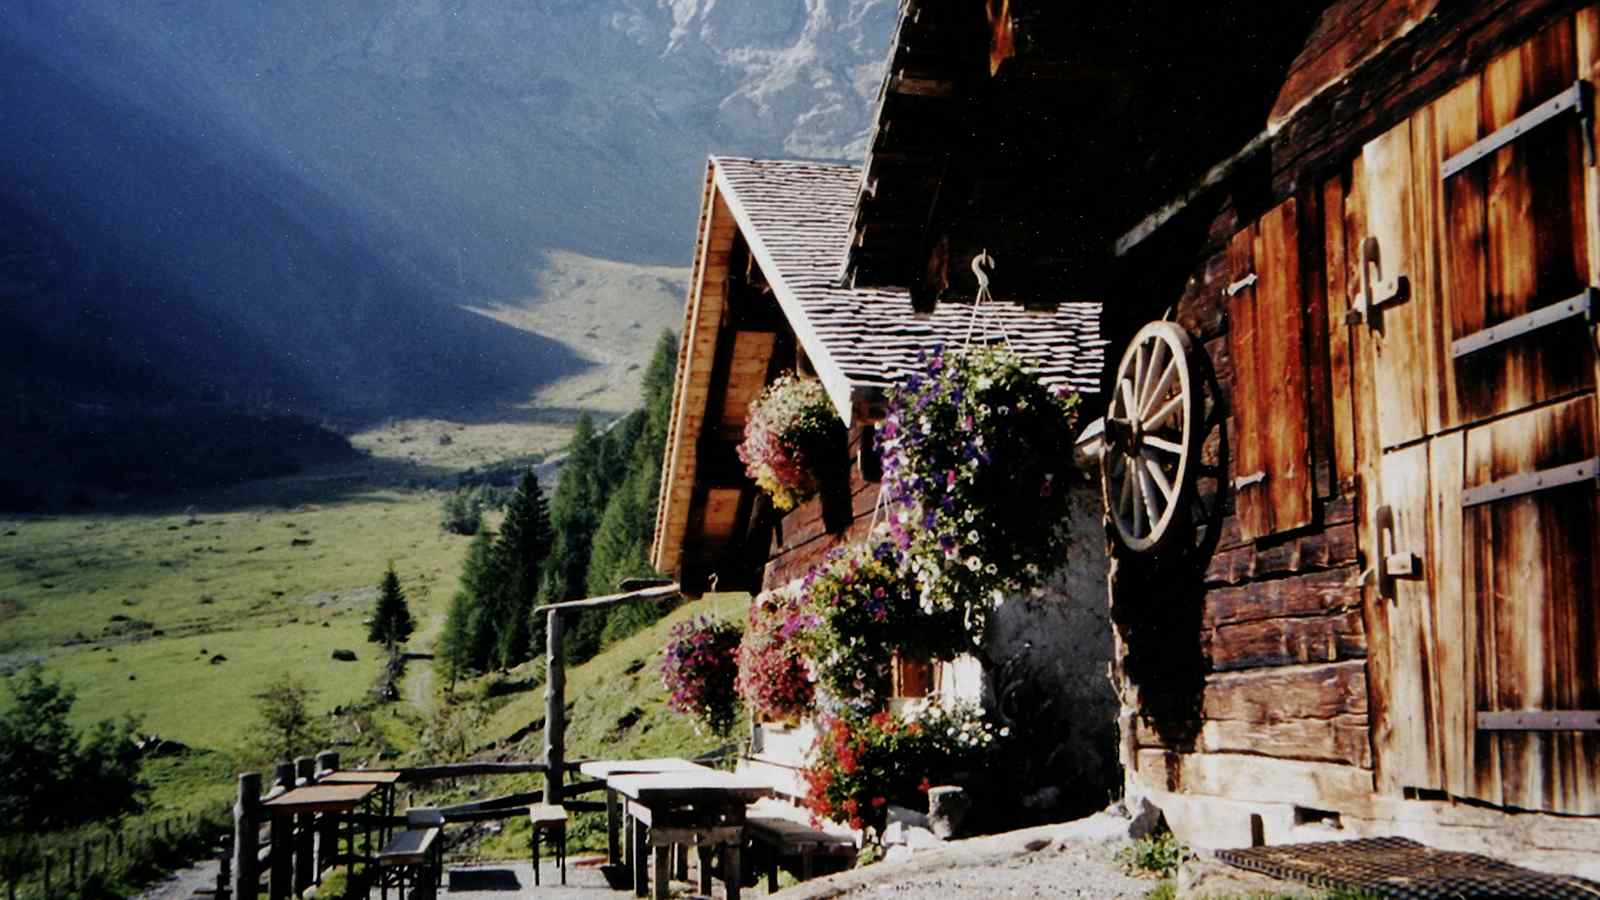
[603, 769]
[384, 803]
[700, 809]
[340, 801]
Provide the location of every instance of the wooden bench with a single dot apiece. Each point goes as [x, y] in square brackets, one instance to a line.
[414, 857]
[776, 838]
[549, 824]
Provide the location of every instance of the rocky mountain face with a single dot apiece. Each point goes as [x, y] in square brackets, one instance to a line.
[306, 205]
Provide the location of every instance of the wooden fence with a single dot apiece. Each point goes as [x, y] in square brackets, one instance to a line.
[40, 868]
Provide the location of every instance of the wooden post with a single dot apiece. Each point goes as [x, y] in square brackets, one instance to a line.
[555, 708]
[613, 824]
[305, 770]
[225, 872]
[327, 824]
[281, 869]
[661, 888]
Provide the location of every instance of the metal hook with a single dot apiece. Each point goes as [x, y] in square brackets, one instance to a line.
[978, 263]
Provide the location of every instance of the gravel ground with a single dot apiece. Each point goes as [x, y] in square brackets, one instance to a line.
[1076, 859]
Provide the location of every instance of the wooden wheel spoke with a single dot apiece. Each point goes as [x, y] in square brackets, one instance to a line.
[1145, 508]
[1164, 413]
[1161, 387]
[1147, 387]
[1161, 443]
[1125, 502]
[1129, 406]
[1168, 492]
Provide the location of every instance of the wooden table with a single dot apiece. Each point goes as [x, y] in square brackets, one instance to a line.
[616, 851]
[339, 800]
[385, 779]
[699, 809]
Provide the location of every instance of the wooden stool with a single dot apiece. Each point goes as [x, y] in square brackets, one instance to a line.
[549, 824]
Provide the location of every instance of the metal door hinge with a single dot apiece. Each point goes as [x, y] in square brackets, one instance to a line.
[1376, 291]
[1244, 481]
[1531, 482]
[1574, 99]
[1245, 282]
[1580, 305]
[1540, 720]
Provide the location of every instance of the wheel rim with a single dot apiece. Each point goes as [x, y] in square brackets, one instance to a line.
[1150, 430]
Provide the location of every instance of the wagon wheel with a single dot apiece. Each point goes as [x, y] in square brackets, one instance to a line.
[1152, 433]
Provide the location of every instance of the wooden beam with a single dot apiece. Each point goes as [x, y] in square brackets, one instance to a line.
[652, 593]
[555, 710]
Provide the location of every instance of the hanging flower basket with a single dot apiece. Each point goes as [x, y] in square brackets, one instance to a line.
[859, 764]
[774, 676]
[700, 666]
[793, 440]
[865, 611]
[976, 458]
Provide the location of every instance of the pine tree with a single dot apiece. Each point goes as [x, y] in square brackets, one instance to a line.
[525, 541]
[391, 619]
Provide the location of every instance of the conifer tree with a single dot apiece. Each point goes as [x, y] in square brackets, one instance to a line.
[478, 583]
[524, 543]
[455, 642]
[391, 618]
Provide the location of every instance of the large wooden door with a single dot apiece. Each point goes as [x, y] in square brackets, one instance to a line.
[1469, 235]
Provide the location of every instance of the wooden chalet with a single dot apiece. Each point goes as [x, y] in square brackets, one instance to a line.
[765, 297]
[1365, 234]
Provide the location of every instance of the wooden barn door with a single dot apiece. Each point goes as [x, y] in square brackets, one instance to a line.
[1482, 507]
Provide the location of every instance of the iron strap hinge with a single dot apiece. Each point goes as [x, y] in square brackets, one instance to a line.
[1579, 305]
[1244, 481]
[1248, 280]
[1531, 482]
[1574, 99]
[1540, 720]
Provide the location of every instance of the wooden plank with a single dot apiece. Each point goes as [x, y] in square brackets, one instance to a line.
[1586, 39]
[1367, 453]
[1313, 594]
[1248, 450]
[1536, 577]
[1333, 547]
[1316, 692]
[1257, 778]
[1411, 752]
[1453, 625]
[1318, 347]
[1400, 333]
[1460, 233]
[1536, 247]
[1282, 400]
[1281, 642]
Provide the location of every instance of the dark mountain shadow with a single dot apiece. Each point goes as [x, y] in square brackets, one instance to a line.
[191, 257]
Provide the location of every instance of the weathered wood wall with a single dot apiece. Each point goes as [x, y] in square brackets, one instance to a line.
[803, 536]
[1291, 681]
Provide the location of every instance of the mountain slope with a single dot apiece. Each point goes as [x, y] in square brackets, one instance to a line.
[308, 205]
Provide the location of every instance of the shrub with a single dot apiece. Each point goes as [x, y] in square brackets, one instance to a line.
[462, 511]
[699, 672]
[775, 678]
[793, 440]
[976, 455]
[53, 777]
[858, 765]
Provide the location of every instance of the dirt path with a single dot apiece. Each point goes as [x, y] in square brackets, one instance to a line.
[419, 672]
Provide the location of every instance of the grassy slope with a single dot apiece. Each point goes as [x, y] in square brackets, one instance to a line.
[622, 683]
[610, 312]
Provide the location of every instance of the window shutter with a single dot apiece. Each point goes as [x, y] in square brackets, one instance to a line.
[1271, 471]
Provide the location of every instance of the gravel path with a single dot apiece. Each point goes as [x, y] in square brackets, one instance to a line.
[1076, 859]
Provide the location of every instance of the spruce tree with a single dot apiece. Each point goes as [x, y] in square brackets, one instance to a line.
[478, 584]
[455, 642]
[391, 619]
[524, 543]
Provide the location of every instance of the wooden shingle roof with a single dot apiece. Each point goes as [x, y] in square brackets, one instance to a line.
[796, 217]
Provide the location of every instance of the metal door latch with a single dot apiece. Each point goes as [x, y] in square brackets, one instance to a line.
[1375, 291]
[1244, 481]
[1393, 563]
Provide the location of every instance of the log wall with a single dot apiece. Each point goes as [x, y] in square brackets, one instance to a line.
[1259, 674]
